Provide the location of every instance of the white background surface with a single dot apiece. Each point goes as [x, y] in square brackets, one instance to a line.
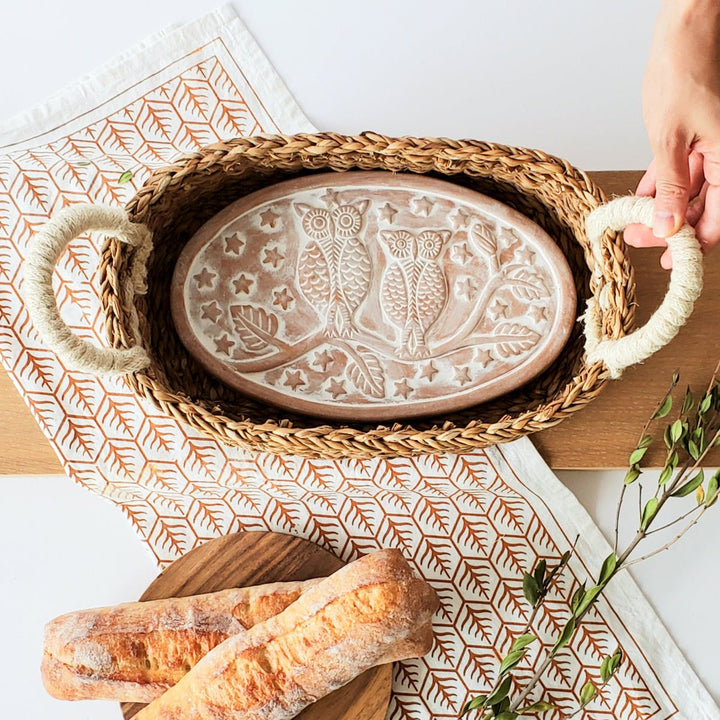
[560, 75]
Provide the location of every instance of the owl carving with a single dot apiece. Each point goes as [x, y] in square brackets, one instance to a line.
[334, 267]
[414, 286]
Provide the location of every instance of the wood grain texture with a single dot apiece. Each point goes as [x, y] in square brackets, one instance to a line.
[254, 558]
[601, 436]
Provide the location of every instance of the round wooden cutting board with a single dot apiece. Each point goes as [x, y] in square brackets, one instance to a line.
[254, 558]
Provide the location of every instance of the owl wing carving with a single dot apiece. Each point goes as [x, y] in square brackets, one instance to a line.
[314, 276]
[431, 294]
[394, 294]
[355, 272]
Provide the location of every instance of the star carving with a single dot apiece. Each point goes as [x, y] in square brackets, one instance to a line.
[403, 388]
[273, 257]
[483, 357]
[223, 344]
[423, 206]
[330, 196]
[336, 388]
[462, 375]
[294, 380]
[234, 244]
[429, 372]
[211, 312]
[204, 278]
[467, 287]
[324, 360]
[282, 298]
[242, 284]
[525, 255]
[461, 218]
[461, 253]
[498, 309]
[538, 313]
[387, 212]
[269, 218]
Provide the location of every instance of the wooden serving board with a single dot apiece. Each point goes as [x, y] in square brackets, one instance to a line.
[255, 558]
[599, 436]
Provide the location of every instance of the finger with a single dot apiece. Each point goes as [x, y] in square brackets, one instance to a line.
[708, 226]
[697, 173]
[697, 206]
[646, 186]
[711, 167]
[642, 236]
[666, 260]
[672, 189]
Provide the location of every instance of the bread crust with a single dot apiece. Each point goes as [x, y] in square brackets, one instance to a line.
[135, 651]
[372, 611]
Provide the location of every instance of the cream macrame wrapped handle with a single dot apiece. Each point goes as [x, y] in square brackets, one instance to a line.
[686, 279]
[44, 251]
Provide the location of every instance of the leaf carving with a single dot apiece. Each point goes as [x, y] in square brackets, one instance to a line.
[527, 284]
[484, 236]
[366, 373]
[513, 339]
[255, 326]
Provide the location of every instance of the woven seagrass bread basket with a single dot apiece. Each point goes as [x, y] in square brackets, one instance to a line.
[179, 198]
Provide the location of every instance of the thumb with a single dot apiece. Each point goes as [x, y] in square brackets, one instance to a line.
[672, 189]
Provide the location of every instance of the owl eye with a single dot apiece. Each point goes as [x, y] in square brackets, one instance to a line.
[347, 220]
[316, 223]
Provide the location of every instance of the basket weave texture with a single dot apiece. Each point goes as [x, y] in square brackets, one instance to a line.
[177, 199]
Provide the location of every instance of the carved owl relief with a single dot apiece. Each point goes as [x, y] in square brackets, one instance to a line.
[414, 287]
[334, 267]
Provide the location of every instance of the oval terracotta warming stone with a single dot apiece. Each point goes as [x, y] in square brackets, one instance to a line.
[372, 296]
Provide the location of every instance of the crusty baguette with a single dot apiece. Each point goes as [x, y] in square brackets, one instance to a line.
[134, 652]
[371, 611]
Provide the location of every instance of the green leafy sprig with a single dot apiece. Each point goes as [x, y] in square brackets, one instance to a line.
[687, 440]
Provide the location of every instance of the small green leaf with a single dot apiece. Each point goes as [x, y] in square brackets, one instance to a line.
[539, 707]
[673, 460]
[705, 404]
[605, 673]
[637, 455]
[694, 450]
[565, 636]
[665, 475]
[616, 660]
[507, 715]
[474, 704]
[531, 589]
[83, 163]
[590, 595]
[664, 409]
[632, 475]
[648, 512]
[577, 597]
[608, 568]
[510, 661]
[667, 438]
[587, 693]
[523, 641]
[501, 692]
[645, 442]
[712, 491]
[539, 573]
[688, 402]
[691, 485]
[125, 177]
[676, 430]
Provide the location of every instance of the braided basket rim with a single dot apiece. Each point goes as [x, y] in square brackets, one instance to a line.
[576, 195]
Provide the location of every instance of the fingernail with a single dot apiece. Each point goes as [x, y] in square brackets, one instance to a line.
[663, 224]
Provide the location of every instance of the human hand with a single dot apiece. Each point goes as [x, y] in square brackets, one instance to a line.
[681, 106]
